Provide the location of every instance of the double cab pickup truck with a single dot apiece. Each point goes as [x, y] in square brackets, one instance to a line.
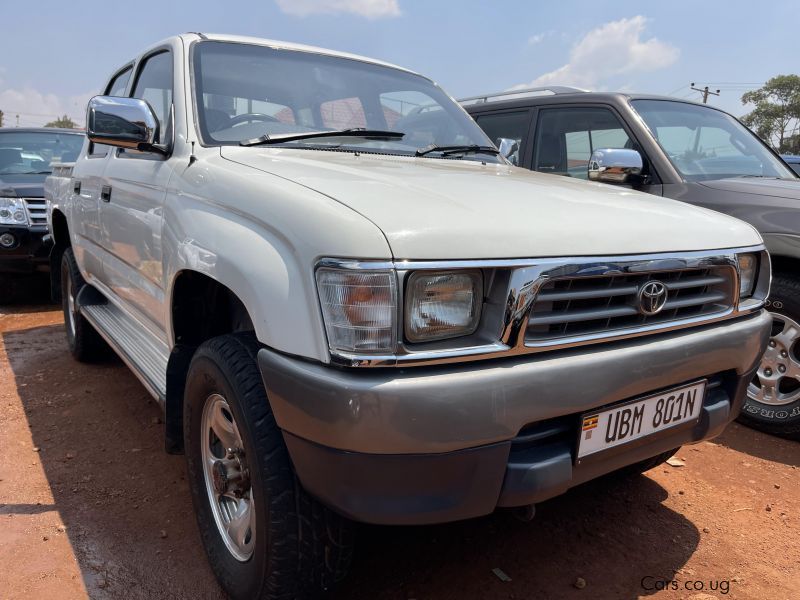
[682, 150]
[351, 308]
[26, 156]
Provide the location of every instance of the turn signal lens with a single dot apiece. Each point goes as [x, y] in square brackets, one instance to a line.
[748, 269]
[359, 309]
[442, 305]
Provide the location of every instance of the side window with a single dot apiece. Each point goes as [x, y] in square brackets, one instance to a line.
[154, 84]
[509, 125]
[115, 87]
[566, 138]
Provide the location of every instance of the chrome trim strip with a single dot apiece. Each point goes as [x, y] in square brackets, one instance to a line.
[526, 277]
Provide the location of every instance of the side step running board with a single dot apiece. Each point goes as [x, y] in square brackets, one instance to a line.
[144, 355]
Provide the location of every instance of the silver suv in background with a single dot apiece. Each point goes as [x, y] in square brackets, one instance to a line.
[684, 151]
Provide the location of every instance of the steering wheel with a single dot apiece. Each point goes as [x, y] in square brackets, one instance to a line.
[251, 118]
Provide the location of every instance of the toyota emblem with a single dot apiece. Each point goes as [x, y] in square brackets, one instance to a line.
[652, 298]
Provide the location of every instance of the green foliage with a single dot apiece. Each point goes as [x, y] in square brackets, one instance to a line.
[776, 113]
[64, 122]
[1, 118]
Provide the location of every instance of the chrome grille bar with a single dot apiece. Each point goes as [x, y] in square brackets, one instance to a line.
[37, 210]
[573, 306]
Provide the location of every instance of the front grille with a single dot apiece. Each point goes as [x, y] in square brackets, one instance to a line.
[37, 210]
[591, 306]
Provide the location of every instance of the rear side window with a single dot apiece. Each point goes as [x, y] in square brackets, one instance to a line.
[115, 87]
[119, 84]
[154, 84]
[566, 138]
[509, 125]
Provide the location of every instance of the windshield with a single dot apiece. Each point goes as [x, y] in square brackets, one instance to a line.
[23, 152]
[244, 92]
[705, 143]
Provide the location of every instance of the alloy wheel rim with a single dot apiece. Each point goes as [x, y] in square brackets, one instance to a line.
[777, 381]
[227, 478]
[70, 307]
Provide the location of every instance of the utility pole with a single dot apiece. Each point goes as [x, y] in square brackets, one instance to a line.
[706, 93]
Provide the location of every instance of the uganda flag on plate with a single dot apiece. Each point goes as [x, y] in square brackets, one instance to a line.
[589, 423]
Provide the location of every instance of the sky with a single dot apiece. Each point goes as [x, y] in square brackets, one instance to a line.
[54, 56]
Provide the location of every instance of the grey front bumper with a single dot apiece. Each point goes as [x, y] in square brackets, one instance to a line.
[425, 445]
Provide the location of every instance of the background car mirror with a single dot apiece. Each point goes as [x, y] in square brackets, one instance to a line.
[614, 165]
[509, 149]
[122, 122]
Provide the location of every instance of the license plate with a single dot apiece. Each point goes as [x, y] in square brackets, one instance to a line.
[639, 418]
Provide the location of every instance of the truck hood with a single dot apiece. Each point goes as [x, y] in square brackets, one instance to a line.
[450, 209]
[757, 186]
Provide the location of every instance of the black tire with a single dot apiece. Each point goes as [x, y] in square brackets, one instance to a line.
[781, 420]
[85, 344]
[301, 548]
[640, 467]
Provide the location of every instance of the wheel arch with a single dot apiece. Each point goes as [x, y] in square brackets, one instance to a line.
[59, 230]
[200, 308]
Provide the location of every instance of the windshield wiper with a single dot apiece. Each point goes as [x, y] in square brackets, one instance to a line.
[361, 132]
[464, 149]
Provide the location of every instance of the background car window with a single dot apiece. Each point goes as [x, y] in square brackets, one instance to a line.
[511, 125]
[566, 138]
[154, 84]
[119, 84]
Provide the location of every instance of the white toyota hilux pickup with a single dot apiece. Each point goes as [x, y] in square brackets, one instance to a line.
[351, 308]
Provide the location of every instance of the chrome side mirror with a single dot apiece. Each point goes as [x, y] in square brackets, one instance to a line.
[122, 122]
[509, 149]
[614, 165]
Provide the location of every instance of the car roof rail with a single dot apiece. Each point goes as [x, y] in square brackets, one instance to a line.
[522, 93]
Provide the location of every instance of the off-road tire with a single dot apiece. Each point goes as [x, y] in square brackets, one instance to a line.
[784, 420]
[301, 547]
[85, 344]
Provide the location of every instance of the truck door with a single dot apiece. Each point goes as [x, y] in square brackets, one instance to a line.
[86, 185]
[132, 198]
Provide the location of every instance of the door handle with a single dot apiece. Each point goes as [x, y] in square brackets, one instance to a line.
[105, 193]
[76, 186]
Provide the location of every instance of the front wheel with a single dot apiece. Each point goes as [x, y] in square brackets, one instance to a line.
[773, 397]
[264, 536]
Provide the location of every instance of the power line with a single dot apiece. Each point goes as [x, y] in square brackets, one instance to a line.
[706, 93]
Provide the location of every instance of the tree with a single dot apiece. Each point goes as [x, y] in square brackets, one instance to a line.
[776, 113]
[1, 118]
[63, 122]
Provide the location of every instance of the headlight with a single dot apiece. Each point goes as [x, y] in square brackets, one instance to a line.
[359, 309]
[12, 212]
[442, 305]
[748, 270]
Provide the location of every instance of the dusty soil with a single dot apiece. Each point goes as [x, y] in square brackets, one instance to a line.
[90, 505]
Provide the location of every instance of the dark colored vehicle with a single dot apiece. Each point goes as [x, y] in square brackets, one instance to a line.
[793, 161]
[26, 156]
[684, 151]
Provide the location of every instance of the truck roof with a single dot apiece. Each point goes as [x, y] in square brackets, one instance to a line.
[546, 95]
